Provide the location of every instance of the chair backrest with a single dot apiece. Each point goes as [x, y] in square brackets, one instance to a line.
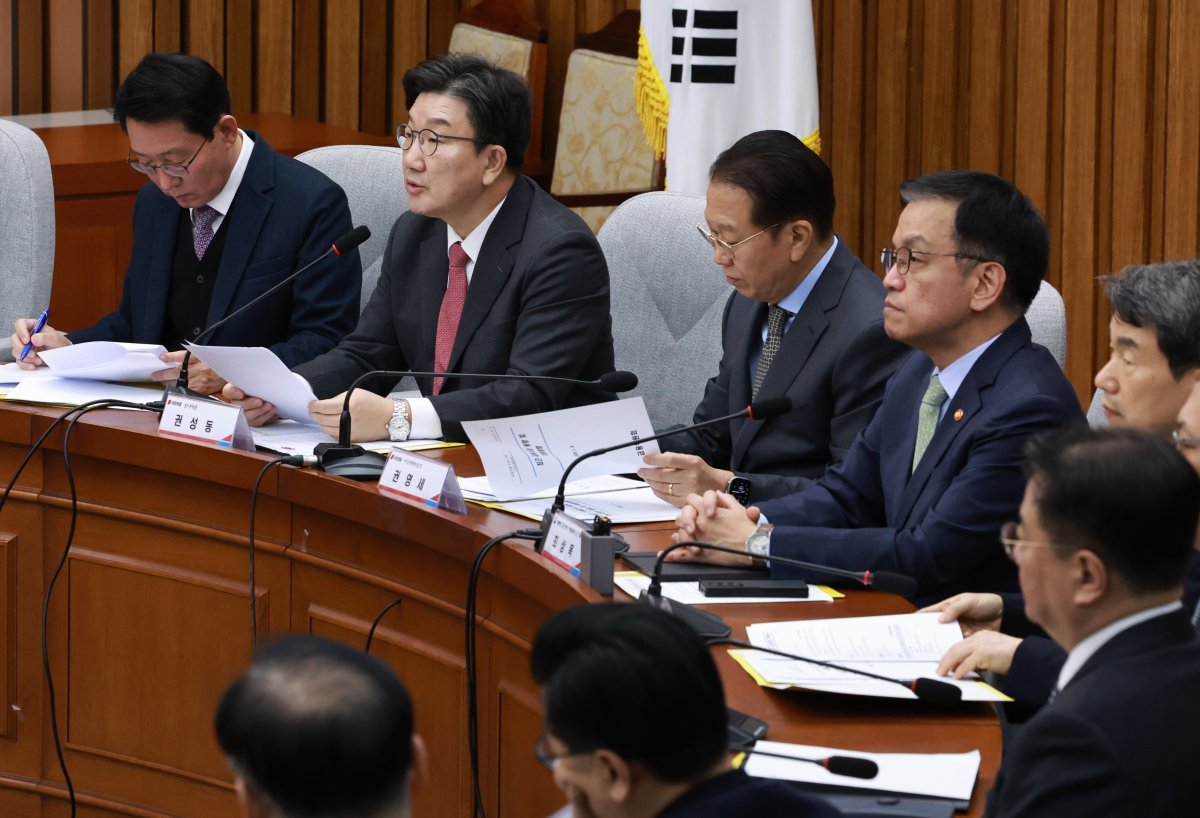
[1047, 317]
[373, 178]
[26, 226]
[667, 301]
[601, 148]
[1095, 413]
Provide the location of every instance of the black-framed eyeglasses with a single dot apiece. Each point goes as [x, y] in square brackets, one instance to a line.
[1182, 442]
[428, 140]
[715, 242]
[900, 257]
[176, 169]
[550, 760]
[1008, 538]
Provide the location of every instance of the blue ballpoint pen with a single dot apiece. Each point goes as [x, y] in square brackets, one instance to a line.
[41, 324]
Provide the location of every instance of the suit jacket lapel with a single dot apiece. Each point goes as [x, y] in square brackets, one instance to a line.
[494, 264]
[435, 270]
[748, 316]
[252, 205]
[165, 227]
[1164, 631]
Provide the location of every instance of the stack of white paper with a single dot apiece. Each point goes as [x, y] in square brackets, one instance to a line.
[105, 361]
[620, 499]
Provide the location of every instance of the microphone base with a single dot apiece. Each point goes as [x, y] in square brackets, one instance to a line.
[707, 625]
[350, 461]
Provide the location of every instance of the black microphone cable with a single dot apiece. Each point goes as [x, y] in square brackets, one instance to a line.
[297, 460]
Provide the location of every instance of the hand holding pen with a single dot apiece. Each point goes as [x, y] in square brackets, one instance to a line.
[25, 348]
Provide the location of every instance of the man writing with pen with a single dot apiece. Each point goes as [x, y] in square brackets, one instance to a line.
[222, 220]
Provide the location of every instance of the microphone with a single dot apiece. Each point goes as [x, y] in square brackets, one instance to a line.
[352, 461]
[758, 410]
[848, 766]
[883, 581]
[344, 244]
[927, 690]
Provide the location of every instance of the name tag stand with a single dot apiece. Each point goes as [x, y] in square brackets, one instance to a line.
[423, 479]
[585, 551]
[205, 420]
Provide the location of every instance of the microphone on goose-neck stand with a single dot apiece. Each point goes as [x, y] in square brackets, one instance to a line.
[349, 460]
[344, 244]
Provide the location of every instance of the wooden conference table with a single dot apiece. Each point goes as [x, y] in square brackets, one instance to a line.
[150, 621]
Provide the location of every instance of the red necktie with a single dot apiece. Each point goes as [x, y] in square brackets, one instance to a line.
[451, 312]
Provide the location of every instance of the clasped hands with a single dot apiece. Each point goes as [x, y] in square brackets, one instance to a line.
[713, 517]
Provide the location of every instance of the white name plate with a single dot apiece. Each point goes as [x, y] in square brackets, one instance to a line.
[423, 479]
[564, 542]
[206, 420]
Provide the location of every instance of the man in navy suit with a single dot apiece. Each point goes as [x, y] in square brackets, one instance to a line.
[927, 486]
[636, 725]
[223, 219]
[769, 219]
[1105, 534]
[1154, 339]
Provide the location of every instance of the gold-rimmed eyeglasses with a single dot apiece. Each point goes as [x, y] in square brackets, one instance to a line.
[715, 242]
[428, 140]
[1008, 538]
[901, 257]
[177, 169]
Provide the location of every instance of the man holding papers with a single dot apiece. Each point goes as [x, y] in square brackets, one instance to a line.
[926, 487]
[485, 274]
[222, 220]
[635, 723]
[1106, 530]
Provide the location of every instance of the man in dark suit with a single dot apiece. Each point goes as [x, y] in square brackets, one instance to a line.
[1154, 338]
[223, 219]
[636, 725]
[1106, 530]
[485, 274]
[316, 727]
[803, 321]
[924, 490]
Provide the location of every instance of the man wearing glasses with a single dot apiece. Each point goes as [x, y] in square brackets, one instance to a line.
[1154, 342]
[635, 721]
[1106, 531]
[222, 219]
[804, 320]
[924, 490]
[485, 274]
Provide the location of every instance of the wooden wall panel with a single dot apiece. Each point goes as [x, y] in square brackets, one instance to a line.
[6, 56]
[64, 41]
[273, 49]
[28, 63]
[341, 76]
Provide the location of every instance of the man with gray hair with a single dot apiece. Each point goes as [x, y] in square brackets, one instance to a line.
[316, 729]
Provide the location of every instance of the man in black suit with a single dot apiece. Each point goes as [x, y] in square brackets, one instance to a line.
[485, 273]
[636, 725]
[924, 489]
[1106, 530]
[804, 320]
[316, 727]
[1154, 339]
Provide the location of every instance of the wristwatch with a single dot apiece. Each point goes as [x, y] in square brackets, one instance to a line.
[739, 488]
[759, 545]
[400, 424]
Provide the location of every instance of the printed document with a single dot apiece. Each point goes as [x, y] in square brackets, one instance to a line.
[105, 361]
[258, 371]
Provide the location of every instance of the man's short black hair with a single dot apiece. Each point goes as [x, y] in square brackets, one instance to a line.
[1166, 298]
[497, 100]
[317, 728]
[994, 221]
[167, 86]
[1125, 494]
[634, 680]
[783, 177]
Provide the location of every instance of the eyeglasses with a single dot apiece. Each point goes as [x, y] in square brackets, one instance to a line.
[715, 242]
[1182, 442]
[428, 140]
[901, 256]
[1008, 538]
[179, 171]
[550, 760]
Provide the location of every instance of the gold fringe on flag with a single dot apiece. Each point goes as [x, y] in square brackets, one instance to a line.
[651, 98]
[813, 141]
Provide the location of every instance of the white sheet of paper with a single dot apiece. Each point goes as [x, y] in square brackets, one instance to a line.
[528, 453]
[71, 392]
[634, 582]
[258, 371]
[478, 488]
[635, 505]
[10, 373]
[936, 775]
[105, 361]
[290, 437]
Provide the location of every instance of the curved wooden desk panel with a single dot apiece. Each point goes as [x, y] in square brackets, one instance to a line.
[150, 620]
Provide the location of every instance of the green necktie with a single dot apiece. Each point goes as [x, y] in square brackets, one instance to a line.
[927, 417]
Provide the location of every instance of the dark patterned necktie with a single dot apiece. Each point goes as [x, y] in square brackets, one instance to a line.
[777, 318]
[202, 232]
[451, 312]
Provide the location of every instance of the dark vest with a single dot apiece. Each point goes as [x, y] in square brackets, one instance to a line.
[192, 282]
